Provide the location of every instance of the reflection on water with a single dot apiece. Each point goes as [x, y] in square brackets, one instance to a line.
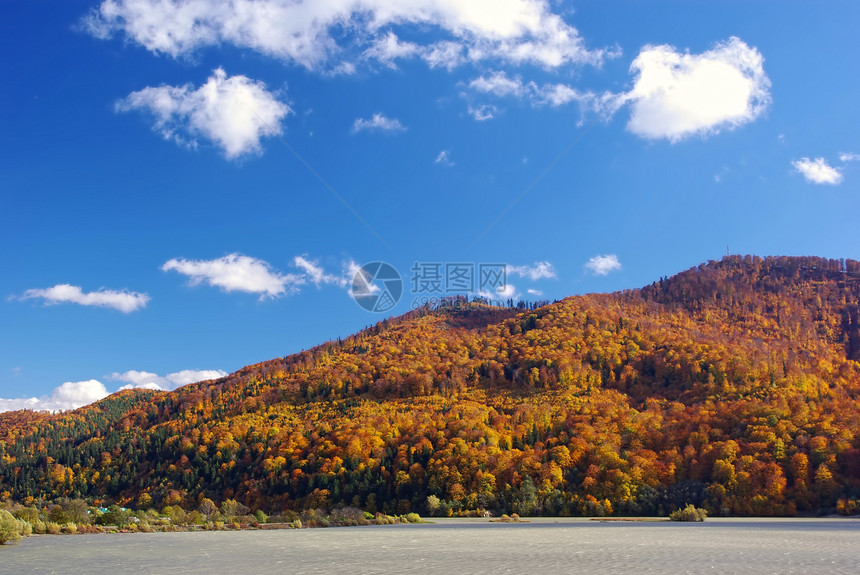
[452, 546]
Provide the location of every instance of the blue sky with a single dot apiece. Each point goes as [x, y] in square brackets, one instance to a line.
[189, 187]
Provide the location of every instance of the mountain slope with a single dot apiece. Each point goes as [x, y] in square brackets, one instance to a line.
[734, 385]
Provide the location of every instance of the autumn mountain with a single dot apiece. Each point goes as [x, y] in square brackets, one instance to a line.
[734, 386]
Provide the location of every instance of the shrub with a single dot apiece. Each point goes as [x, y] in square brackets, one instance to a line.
[29, 514]
[11, 529]
[115, 515]
[347, 516]
[689, 513]
[432, 504]
[52, 528]
[69, 528]
[844, 506]
[314, 518]
[413, 518]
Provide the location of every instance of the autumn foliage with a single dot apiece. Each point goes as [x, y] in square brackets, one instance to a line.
[734, 387]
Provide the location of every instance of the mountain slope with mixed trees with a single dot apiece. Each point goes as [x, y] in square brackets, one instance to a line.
[734, 386]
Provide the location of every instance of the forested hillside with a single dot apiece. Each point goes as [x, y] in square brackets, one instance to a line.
[734, 386]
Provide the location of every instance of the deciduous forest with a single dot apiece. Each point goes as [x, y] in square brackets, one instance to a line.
[733, 386]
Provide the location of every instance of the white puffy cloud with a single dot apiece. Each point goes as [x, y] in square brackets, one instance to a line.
[483, 113]
[233, 112]
[378, 122]
[70, 395]
[444, 158]
[676, 95]
[235, 272]
[169, 382]
[535, 292]
[817, 171]
[124, 301]
[311, 32]
[501, 294]
[603, 265]
[75, 394]
[540, 270]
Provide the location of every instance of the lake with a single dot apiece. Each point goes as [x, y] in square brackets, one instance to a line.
[544, 545]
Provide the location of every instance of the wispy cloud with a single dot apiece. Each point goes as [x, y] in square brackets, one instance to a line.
[849, 157]
[499, 84]
[233, 112]
[389, 48]
[483, 113]
[603, 265]
[540, 270]
[317, 275]
[379, 123]
[817, 171]
[236, 272]
[124, 301]
[444, 158]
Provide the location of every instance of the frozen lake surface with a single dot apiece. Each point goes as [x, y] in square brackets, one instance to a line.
[462, 546]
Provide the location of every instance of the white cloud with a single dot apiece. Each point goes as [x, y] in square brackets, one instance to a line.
[233, 112]
[70, 395]
[317, 275]
[235, 272]
[75, 394]
[361, 282]
[849, 157]
[169, 382]
[311, 32]
[817, 171]
[444, 158]
[540, 270]
[678, 95]
[482, 113]
[535, 292]
[501, 294]
[508, 291]
[388, 48]
[378, 122]
[445, 54]
[499, 84]
[557, 95]
[603, 265]
[124, 301]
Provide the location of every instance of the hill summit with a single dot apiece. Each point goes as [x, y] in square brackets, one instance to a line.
[733, 386]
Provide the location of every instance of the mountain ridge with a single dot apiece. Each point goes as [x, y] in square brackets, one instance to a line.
[732, 385]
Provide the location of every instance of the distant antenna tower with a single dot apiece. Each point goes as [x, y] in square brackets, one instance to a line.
[728, 253]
